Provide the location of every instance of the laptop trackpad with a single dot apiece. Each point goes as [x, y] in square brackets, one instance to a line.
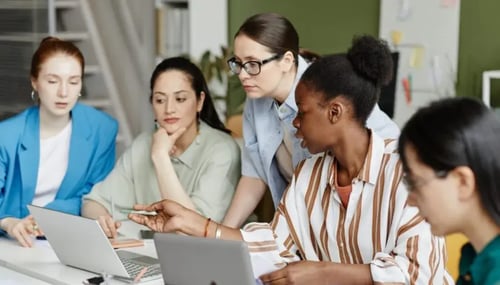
[137, 258]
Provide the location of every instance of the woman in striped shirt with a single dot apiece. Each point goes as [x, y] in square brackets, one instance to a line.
[344, 218]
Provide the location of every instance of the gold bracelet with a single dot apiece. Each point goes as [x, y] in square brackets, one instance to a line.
[218, 232]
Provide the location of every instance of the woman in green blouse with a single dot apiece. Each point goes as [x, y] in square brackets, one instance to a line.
[191, 157]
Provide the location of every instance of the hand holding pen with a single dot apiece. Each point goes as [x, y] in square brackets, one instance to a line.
[170, 217]
[143, 215]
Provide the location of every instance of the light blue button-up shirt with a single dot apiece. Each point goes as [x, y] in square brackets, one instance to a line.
[263, 134]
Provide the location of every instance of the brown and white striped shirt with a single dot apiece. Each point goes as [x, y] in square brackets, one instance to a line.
[376, 228]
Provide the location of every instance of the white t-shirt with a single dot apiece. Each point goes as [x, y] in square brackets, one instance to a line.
[54, 156]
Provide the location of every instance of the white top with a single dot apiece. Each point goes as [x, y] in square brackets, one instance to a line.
[54, 156]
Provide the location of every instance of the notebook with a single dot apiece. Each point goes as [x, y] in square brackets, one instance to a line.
[81, 243]
[186, 260]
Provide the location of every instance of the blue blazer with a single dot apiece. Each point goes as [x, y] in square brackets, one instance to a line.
[91, 158]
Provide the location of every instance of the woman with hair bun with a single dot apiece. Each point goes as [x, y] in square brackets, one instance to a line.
[344, 218]
[55, 151]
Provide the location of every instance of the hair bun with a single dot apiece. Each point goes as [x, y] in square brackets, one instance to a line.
[49, 39]
[371, 58]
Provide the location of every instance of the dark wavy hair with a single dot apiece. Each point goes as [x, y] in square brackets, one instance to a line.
[457, 132]
[357, 75]
[208, 113]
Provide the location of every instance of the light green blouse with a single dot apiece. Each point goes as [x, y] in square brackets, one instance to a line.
[208, 170]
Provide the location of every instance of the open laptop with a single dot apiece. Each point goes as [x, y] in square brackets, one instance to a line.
[186, 260]
[80, 242]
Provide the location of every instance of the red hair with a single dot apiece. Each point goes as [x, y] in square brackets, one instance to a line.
[51, 46]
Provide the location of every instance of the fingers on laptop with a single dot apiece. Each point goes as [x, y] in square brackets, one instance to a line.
[22, 231]
[109, 226]
[36, 230]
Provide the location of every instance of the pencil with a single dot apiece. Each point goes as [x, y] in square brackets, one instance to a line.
[140, 274]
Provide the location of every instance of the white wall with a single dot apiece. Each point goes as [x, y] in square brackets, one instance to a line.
[429, 29]
[209, 27]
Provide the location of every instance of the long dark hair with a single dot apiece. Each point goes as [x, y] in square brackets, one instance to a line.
[456, 132]
[198, 83]
[357, 75]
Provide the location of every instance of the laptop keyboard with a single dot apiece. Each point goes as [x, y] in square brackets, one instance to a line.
[133, 268]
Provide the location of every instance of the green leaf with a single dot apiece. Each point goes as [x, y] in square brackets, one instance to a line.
[214, 65]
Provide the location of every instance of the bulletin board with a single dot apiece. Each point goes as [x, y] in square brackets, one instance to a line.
[426, 34]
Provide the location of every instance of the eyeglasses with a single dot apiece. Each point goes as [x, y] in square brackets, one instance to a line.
[412, 184]
[252, 67]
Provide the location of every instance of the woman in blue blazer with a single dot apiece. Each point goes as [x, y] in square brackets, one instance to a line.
[54, 152]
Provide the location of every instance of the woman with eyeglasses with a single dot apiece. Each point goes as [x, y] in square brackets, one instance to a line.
[451, 157]
[268, 63]
[344, 217]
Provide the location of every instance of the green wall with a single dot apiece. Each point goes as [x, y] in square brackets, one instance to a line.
[324, 26]
[327, 26]
[479, 47]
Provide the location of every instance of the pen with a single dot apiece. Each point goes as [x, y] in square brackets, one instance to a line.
[146, 213]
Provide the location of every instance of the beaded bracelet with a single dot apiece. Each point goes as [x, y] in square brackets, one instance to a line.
[206, 227]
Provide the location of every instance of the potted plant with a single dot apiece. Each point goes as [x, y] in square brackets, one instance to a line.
[232, 94]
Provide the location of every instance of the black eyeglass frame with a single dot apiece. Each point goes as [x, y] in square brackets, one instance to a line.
[233, 62]
[412, 185]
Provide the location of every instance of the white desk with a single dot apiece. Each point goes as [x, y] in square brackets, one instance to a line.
[11, 277]
[40, 262]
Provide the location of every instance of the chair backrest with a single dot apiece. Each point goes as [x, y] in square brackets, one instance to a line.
[454, 244]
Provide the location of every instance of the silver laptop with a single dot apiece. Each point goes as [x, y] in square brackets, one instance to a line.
[80, 242]
[186, 260]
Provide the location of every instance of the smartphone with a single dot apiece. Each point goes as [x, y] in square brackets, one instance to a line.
[147, 234]
[128, 242]
[93, 281]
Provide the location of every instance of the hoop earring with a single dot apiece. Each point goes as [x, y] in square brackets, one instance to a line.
[157, 126]
[33, 96]
[79, 94]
